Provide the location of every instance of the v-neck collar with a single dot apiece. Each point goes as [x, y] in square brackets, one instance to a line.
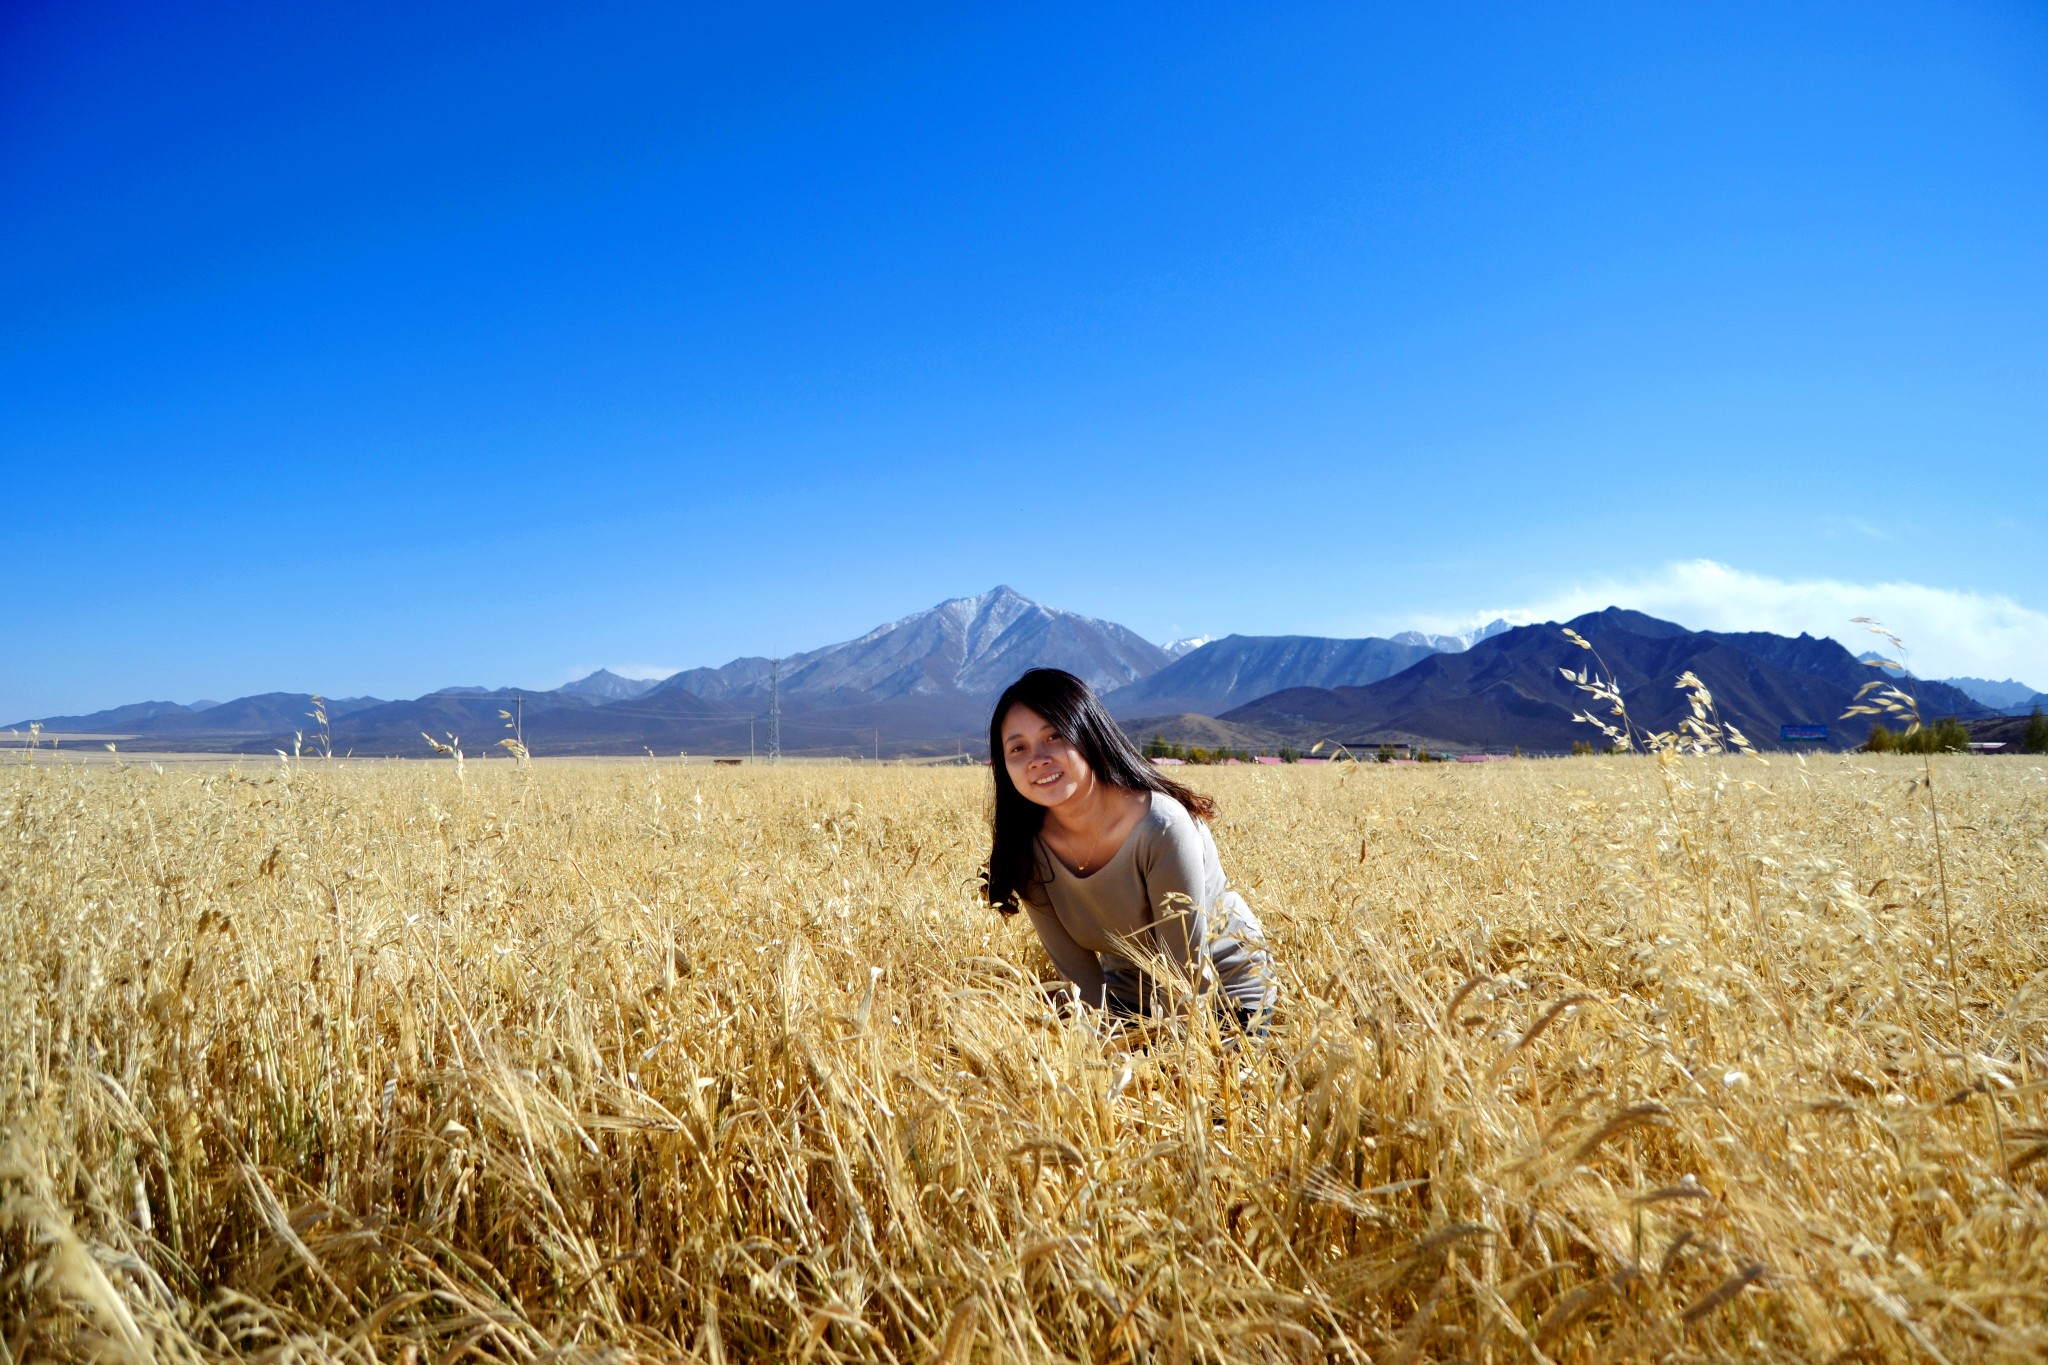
[1130, 837]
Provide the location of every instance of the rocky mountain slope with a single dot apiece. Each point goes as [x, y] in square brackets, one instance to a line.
[1237, 669]
[1506, 691]
[920, 684]
[2007, 694]
[924, 684]
[606, 685]
[967, 645]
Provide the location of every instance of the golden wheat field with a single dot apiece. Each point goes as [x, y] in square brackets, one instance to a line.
[1577, 1060]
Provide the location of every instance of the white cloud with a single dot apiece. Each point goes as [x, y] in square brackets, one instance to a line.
[1948, 632]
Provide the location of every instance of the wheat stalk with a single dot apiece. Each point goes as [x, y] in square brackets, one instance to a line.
[391, 1061]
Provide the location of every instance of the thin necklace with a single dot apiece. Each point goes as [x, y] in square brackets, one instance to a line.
[1081, 868]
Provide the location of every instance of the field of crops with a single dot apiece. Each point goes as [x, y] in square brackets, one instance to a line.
[1577, 1059]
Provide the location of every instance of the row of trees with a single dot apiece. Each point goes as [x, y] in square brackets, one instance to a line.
[1949, 736]
[1159, 747]
[1945, 736]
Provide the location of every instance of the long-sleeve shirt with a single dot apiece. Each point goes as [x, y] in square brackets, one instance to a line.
[1161, 895]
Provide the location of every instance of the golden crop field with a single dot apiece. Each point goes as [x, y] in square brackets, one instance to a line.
[1577, 1059]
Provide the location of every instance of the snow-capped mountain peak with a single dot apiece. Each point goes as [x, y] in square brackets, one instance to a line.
[1455, 643]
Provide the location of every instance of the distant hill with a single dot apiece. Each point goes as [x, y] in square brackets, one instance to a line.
[1238, 669]
[267, 713]
[1451, 643]
[605, 685]
[115, 720]
[924, 684]
[919, 685]
[725, 681]
[1506, 690]
[470, 714]
[2005, 695]
[1203, 731]
[972, 645]
[975, 645]
[270, 715]
[2010, 731]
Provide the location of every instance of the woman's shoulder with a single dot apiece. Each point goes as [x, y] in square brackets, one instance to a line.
[1167, 819]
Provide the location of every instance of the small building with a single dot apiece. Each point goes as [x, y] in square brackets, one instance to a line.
[1369, 749]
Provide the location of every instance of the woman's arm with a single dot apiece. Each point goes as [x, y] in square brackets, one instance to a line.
[1076, 963]
[1174, 883]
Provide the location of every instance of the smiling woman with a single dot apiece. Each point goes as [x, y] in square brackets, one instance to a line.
[1114, 862]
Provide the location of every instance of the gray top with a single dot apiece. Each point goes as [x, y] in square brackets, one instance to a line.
[1162, 894]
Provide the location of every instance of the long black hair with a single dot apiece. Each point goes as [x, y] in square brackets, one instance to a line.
[1071, 707]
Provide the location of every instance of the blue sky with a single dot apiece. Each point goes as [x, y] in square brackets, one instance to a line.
[379, 348]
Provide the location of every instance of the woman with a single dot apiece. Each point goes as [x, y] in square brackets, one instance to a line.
[1113, 862]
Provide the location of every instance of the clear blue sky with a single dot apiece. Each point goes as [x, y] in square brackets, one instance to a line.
[375, 348]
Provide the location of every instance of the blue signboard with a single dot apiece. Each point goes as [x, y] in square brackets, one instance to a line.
[1803, 734]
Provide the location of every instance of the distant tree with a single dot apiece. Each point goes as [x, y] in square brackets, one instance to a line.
[1582, 747]
[1198, 754]
[1946, 736]
[1385, 754]
[1156, 747]
[1293, 755]
[2034, 739]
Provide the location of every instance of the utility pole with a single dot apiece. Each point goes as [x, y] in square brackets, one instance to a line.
[750, 738]
[878, 744]
[775, 711]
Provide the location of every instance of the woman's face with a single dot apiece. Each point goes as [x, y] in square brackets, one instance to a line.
[1042, 764]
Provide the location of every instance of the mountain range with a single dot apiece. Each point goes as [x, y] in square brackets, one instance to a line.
[1507, 691]
[1237, 669]
[2003, 695]
[924, 684]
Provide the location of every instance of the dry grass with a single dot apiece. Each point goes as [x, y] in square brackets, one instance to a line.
[391, 1063]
